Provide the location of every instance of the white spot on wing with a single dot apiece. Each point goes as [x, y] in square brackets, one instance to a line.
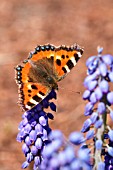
[39, 95]
[79, 54]
[29, 86]
[58, 57]
[73, 60]
[28, 107]
[67, 69]
[33, 101]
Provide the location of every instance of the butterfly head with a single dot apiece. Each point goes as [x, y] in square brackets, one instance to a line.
[51, 82]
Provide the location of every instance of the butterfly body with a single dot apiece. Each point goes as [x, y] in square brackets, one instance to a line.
[41, 72]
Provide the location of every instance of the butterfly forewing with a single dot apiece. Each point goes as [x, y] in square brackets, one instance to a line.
[66, 58]
[45, 51]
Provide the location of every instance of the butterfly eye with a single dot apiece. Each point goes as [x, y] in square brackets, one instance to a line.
[52, 83]
[50, 80]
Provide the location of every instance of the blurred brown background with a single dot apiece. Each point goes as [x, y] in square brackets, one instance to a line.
[23, 25]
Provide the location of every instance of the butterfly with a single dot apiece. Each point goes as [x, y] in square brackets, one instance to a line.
[43, 69]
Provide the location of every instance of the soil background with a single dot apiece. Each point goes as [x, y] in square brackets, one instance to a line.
[23, 25]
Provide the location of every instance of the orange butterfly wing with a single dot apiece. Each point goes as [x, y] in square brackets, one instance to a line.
[30, 94]
[64, 59]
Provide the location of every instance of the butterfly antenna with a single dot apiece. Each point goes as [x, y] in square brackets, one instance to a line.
[2, 63]
[78, 92]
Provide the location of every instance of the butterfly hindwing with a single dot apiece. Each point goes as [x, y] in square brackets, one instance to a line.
[28, 96]
[31, 94]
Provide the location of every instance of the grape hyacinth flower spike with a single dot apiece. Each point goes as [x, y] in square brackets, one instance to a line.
[50, 150]
[34, 130]
[98, 92]
[62, 154]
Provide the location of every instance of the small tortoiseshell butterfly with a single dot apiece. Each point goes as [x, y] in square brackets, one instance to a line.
[42, 70]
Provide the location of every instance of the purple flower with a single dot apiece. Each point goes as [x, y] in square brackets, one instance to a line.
[88, 79]
[88, 109]
[104, 86]
[53, 106]
[98, 123]
[62, 158]
[86, 94]
[25, 165]
[110, 75]
[75, 165]
[91, 85]
[65, 156]
[47, 151]
[86, 125]
[110, 97]
[111, 115]
[90, 134]
[90, 60]
[94, 117]
[70, 154]
[93, 98]
[107, 59]
[101, 166]
[54, 163]
[27, 128]
[84, 155]
[25, 149]
[42, 121]
[110, 134]
[34, 130]
[98, 144]
[92, 66]
[37, 160]
[29, 157]
[34, 150]
[101, 108]
[33, 135]
[98, 93]
[38, 143]
[109, 156]
[110, 151]
[28, 141]
[57, 144]
[56, 135]
[103, 69]
[39, 129]
[76, 138]
[100, 97]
